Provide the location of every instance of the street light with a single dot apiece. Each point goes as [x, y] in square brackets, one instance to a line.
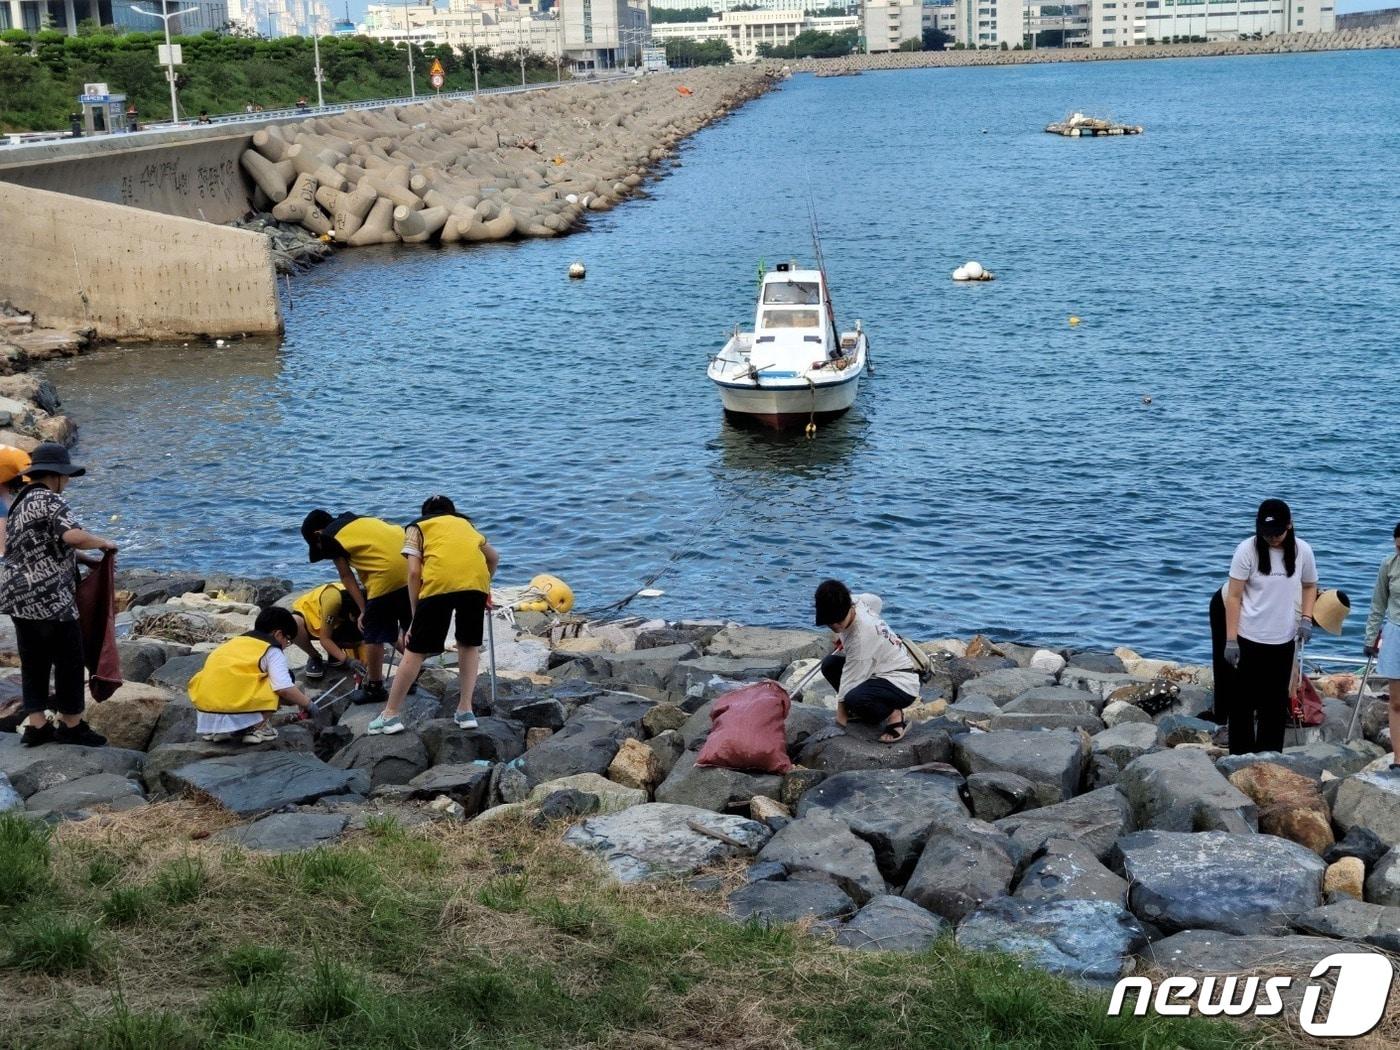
[165, 17]
[519, 41]
[316, 49]
[408, 34]
[476, 74]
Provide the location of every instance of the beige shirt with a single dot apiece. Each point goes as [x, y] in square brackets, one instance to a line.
[874, 651]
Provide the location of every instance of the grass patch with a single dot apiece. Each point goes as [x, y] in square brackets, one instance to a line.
[53, 945]
[460, 937]
[103, 870]
[24, 859]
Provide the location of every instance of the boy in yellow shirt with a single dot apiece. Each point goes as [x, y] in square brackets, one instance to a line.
[327, 615]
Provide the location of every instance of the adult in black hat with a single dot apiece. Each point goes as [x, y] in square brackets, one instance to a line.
[1268, 615]
[38, 589]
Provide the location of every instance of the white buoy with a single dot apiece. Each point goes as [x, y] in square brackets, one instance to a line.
[960, 274]
[577, 271]
[974, 270]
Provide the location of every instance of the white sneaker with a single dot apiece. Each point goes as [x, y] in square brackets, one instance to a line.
[263, 734]
[386, 725]
[465, 720]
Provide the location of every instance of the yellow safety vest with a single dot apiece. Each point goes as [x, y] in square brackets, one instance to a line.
[375, 549]
[452, 556]
[319, 605]
[231, 682]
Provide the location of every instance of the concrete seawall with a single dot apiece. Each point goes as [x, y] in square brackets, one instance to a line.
[133, 274]
[1296, 43]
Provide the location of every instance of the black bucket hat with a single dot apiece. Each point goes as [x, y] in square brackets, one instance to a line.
[311, 532]
[52, 458]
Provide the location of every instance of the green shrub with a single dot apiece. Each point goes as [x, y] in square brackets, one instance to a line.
[253, 962]
[24, 859]
[127, 904]
[180, 881]
[53, 945]
[331, 993]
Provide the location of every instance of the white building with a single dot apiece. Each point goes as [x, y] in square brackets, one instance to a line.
[744, 31]
[463, 26]
[603, 34]
[888, 23]
[720, 6]
[940, 16]
[1124, 23]
[274, 18]
[990, 23]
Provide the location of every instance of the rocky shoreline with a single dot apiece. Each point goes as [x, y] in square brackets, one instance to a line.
[1290, 44]
[29, 403]
[1037, 804]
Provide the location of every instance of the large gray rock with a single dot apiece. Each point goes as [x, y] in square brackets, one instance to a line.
[468, 784]
[767, 644]
[1125, 742]
[1053, 761]
[891, 924]
[533, 712]
[176, 725]
[418, 711]
[1064, 869]
[587, 744]
[893, 810]
[860, 747]
[992, 796]
[252, 784]
[714, 787]
[1100, 683]
[494, 740]
[1383, 883]
[9, 797]
[393, 759]
[1181, 790]
[72, 799]
[964, 669]
[1003, 686]
[976, 710]
[262, 591]
[658, 840]
[286, 832]
[1310, 760]
[1203, 953]
[819, 844]
[33, 769]
[770, 903]
[1055, 699]
[175, 673]
[1353, 920]
[1370, 800]
[707, 677]
[173, 756]
[1216, 881]
[629, 709]
[1089, 940]
[1054, 720]
[151, 586]
[650, 667]
[1104, 663]
[1096, 818]
[962, 867]
[140, 658]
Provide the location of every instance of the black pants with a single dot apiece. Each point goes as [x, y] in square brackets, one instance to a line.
[51, 647]
[871, 701]
[1224, 674]
[1259, 708]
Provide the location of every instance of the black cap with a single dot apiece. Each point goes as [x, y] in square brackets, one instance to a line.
[1273, 518]
[833, 602]
[52, 458]
[311, 528]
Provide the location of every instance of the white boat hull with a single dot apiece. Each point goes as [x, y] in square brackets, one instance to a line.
[818, 395]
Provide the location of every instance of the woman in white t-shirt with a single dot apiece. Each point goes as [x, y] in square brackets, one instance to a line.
[1268, 615]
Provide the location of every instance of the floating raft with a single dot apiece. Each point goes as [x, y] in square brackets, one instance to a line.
[1080, 126]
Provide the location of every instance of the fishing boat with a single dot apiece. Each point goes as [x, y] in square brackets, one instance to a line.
[796, 368]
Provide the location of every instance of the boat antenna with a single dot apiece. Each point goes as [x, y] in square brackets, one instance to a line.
[821, 263]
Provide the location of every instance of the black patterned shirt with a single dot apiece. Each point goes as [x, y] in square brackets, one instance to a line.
[39, 576]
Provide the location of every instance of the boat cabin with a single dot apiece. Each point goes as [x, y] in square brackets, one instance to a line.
[792, 325]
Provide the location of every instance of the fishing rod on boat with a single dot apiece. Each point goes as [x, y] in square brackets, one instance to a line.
[821, 265]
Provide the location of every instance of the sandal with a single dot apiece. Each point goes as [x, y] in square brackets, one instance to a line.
[893, 732]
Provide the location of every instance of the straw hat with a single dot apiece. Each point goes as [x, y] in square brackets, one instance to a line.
[1330, 610]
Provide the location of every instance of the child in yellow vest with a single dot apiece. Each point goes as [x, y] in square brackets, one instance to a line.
[327, 614]
[450, 566]
[245, 680]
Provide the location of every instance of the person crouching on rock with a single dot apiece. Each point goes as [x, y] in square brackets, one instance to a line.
[450, 566]
[1268, 615]
[874, 676]
[1383, 637]
[39, 589]
[327, 614]
[368, 556]
[245, 680]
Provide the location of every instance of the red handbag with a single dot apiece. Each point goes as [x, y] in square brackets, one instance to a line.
[1305, 704]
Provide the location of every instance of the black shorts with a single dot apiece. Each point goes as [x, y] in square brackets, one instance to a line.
[386, 616]
[428, 634]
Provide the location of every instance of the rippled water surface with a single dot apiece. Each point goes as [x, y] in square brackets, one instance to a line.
[1238, 263]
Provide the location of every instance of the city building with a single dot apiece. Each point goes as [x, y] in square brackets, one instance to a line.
[464, 26]
[720, 6]
[1125, 23]
[990, 23]
[274, 18]
[744, 31]
[604, 34]
[64, 15]
[888, 23]
[941, 16]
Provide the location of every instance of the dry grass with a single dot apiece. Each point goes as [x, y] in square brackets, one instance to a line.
[495, 935]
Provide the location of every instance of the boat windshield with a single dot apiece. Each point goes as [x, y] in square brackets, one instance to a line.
[790, 319]
[791, 293]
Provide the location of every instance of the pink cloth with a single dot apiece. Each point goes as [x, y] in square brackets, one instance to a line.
[97, 611]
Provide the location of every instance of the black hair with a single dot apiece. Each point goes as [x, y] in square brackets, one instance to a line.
[833, 602]
[1396, 533]
[276, 619]
[434, 505]
[312, 525]
[1275, 508]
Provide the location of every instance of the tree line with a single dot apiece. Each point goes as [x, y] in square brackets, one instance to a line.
[42, 74]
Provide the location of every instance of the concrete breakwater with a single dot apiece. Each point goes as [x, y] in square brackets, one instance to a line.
[1293, 43]
[1069, 806]
[528, 165]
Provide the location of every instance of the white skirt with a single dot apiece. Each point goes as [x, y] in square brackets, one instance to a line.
[1388, 663]
[208, 723]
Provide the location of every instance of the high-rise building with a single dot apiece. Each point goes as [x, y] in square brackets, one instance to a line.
[888, 23]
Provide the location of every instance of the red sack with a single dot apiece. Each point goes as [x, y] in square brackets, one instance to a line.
[1305, 705]
[748, 730]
